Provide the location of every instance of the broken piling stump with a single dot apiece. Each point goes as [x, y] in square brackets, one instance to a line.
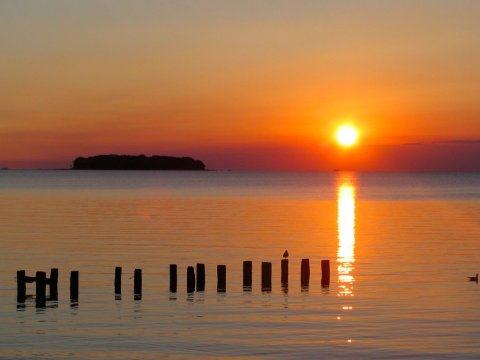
[284, 266]
[221, 278]
[118, 281]
[200, 277]
[53, 281]
[190, 279]
[173, 278]
[266, 276]
[247, 275]
[41, 289]
[137, 284]
[325, 273]
[21, 286]
[74, 286]
[305, 273]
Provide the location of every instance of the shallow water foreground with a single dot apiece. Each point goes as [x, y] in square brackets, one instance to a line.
[400, 247]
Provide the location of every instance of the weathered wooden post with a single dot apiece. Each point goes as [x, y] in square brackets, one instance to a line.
[53, 281]
[266, 276]
[173, 278]
[21, 286]
[325, 273]
[190, 279]
[137, 284]
[221, 278]
[247, 275]
[305, 273]
[74, 286]
[284, 272]
[200, 277]
[41, 289]
[118, 280]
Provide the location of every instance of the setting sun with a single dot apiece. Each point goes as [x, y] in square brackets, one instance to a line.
[347, 135]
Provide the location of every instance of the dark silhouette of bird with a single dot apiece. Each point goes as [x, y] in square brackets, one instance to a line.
[285, 254]
[473, 278]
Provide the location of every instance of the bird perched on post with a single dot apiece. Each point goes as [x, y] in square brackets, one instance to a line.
[285, 254]
[473, 278]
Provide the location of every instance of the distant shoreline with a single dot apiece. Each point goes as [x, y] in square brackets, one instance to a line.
[139, 162]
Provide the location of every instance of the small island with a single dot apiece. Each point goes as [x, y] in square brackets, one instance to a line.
[140, 162]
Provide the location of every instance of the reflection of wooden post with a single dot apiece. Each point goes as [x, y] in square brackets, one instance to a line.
[74, 286]
[221, 278]
[305, 273]
[118, 280]
[173, 277]
[200, 277]
[41, 289]
[285, 272]
[266, 276]
[325, 273]
[137, 284]
[54, 284]
[190, 279]
[247, 275]
[21, 286]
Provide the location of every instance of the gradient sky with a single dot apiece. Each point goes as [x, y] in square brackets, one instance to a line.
[242, 84]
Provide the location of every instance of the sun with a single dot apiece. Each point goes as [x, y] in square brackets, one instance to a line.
[347, 135]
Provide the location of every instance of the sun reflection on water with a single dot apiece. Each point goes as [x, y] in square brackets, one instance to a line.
[346, 234]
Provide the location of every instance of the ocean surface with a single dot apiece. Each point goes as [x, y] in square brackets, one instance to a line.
[400, 247]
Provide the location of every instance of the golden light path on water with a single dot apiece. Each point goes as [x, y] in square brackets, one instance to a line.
[346, 234]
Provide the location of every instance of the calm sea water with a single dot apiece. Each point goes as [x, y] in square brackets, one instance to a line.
[400, 247]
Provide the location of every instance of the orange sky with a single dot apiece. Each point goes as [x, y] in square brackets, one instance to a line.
[242, 84]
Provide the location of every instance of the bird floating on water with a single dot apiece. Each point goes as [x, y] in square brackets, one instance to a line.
[473, 278]
[285, 254]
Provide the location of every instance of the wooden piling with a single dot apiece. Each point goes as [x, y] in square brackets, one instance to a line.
[54, 284]
[325, 273]
[41, 289]
[173, 278]
[118, 280]
[221, 278]
[284, 266]
[190, 279]
[200, 277]
[247, 275]
[21, 286]
[305, 273]
[74, 277]
[137, 284]
[266, 276]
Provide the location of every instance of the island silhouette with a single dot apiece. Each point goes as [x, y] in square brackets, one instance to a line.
[136, 162]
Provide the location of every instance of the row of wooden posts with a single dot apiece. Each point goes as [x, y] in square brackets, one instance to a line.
[195, 280]
[41, 281]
